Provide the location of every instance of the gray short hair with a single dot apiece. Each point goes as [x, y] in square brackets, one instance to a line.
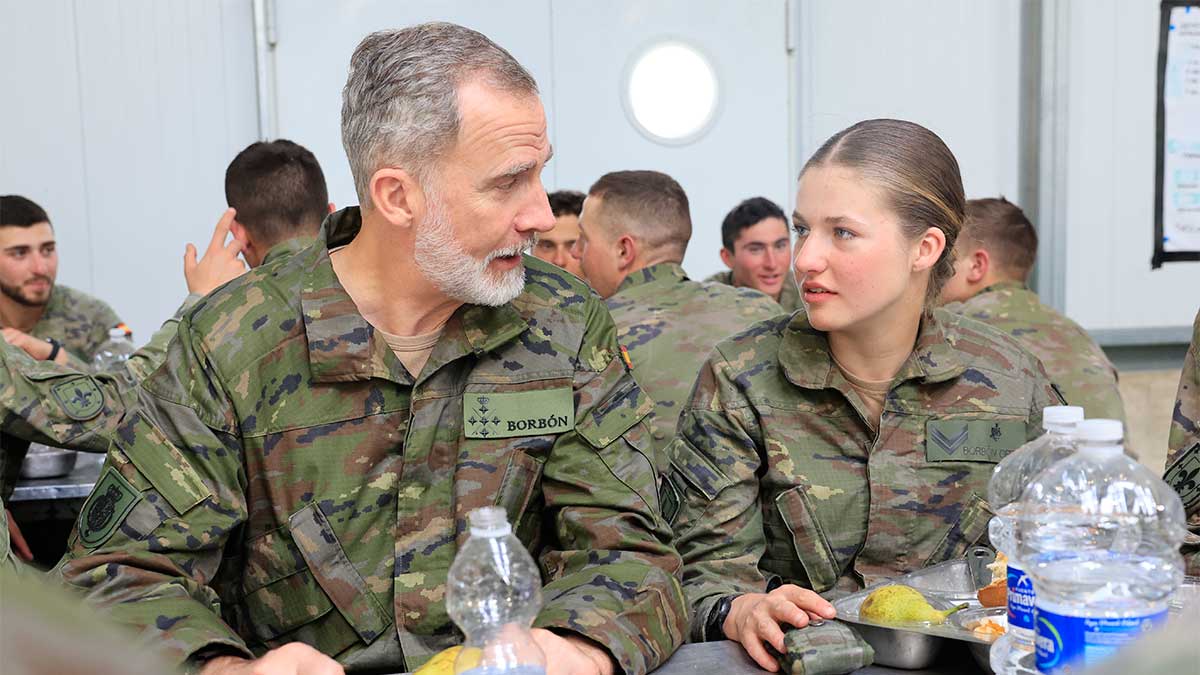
[400, 102]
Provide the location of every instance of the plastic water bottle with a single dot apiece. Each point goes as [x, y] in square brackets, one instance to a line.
[114, 352]
[1012, 654]
[494, 592]
[1100, 534]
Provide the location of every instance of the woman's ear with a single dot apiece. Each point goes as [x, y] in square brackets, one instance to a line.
[929, 249]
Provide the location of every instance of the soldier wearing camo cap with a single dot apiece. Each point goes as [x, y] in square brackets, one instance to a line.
[634, 231]
[852, 442]
[993, 258]
[1183, 453]
[296, 478]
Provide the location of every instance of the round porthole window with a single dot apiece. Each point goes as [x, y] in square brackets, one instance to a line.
[671, 92]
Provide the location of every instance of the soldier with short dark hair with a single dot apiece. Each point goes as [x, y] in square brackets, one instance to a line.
[993, 259]
[294, 483]
[634, 232]
[757, 249]
[853, 441]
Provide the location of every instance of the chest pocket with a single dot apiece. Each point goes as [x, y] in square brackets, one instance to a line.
[299, 586]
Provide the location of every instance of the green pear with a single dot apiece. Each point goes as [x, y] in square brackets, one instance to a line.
[897, 604]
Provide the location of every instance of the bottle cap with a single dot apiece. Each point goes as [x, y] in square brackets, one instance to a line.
[1100, 431]
[489, 522]
[1061, 415]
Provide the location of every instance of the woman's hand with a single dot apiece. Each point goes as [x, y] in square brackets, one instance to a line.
[755, 618]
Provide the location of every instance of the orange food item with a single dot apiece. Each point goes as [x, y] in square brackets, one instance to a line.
[994, 594]
[987, 627]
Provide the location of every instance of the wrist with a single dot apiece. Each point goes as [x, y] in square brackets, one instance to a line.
[715, 627]
[598, 655]
[221, 664]
[55, 348]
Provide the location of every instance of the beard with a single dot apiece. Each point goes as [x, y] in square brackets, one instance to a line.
[18, 295]
[443, 260]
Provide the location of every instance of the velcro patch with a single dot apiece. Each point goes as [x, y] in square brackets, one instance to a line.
[972, 440]
[79, 397]
[1184, 476]
[669, 499]
[111, 500]
[518, 413]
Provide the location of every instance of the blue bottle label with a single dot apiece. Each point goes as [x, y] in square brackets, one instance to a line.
[1067, 642]
[1020, 598]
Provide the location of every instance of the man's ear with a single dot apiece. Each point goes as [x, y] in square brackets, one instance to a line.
[332, 208]
[627, 252]
[727, 257]
[397, 196]
[240, 233]
[981, 265]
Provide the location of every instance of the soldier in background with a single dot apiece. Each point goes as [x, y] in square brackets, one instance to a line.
[555, 246]
[292, 487]
[634, 232]
[1183, 449]
[994, 257]
[757, 250]
[854, 441]
[277, 199]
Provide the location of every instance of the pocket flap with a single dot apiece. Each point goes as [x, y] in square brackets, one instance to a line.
[609, 419]
[693, 468]
[336, 574]
[808, 539]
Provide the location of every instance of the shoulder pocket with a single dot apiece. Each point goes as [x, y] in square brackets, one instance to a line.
[161, 463]
[612, 417]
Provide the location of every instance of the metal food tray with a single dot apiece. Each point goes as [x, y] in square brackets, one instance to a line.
[917, 645]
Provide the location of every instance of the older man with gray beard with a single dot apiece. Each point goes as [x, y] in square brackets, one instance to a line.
[291, 491]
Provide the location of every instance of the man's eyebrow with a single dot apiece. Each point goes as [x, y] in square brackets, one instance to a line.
[797, 218]
[518, 169]
[18, 247]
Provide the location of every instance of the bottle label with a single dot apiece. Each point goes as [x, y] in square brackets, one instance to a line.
[1068, 642]
[1020, 598]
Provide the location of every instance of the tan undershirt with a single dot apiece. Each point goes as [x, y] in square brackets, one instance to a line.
[872, 392]
[413, 350]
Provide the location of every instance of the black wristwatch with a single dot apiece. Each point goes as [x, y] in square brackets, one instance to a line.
[714, 628]
[55, 346]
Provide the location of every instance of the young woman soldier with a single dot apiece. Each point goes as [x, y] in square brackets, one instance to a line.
[852, 441]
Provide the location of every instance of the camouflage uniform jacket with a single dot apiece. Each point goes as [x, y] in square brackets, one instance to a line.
[77, 320]
[1183, 453]
[670, 324]
[1075, 363]
[789, 296]
[45, 402]
[284, 478]
[781, 476]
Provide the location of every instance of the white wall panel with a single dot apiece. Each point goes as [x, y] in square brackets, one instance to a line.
[948, 65]
[147, 103]
[1109, 216]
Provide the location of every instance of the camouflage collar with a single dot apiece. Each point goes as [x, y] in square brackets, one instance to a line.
[1005, 286]
[342, 346]
[665, 271]
[287, 247]
[804, 354]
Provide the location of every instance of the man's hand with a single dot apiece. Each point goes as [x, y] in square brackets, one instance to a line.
[220, 262]
[572, 654]
[755, 618]
[18, 540]
[294, 658]
[36, 348]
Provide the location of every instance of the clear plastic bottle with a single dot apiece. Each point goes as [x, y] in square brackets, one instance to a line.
[493, 593]
[1100, 534]
[1012, 654]
[114, 352]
